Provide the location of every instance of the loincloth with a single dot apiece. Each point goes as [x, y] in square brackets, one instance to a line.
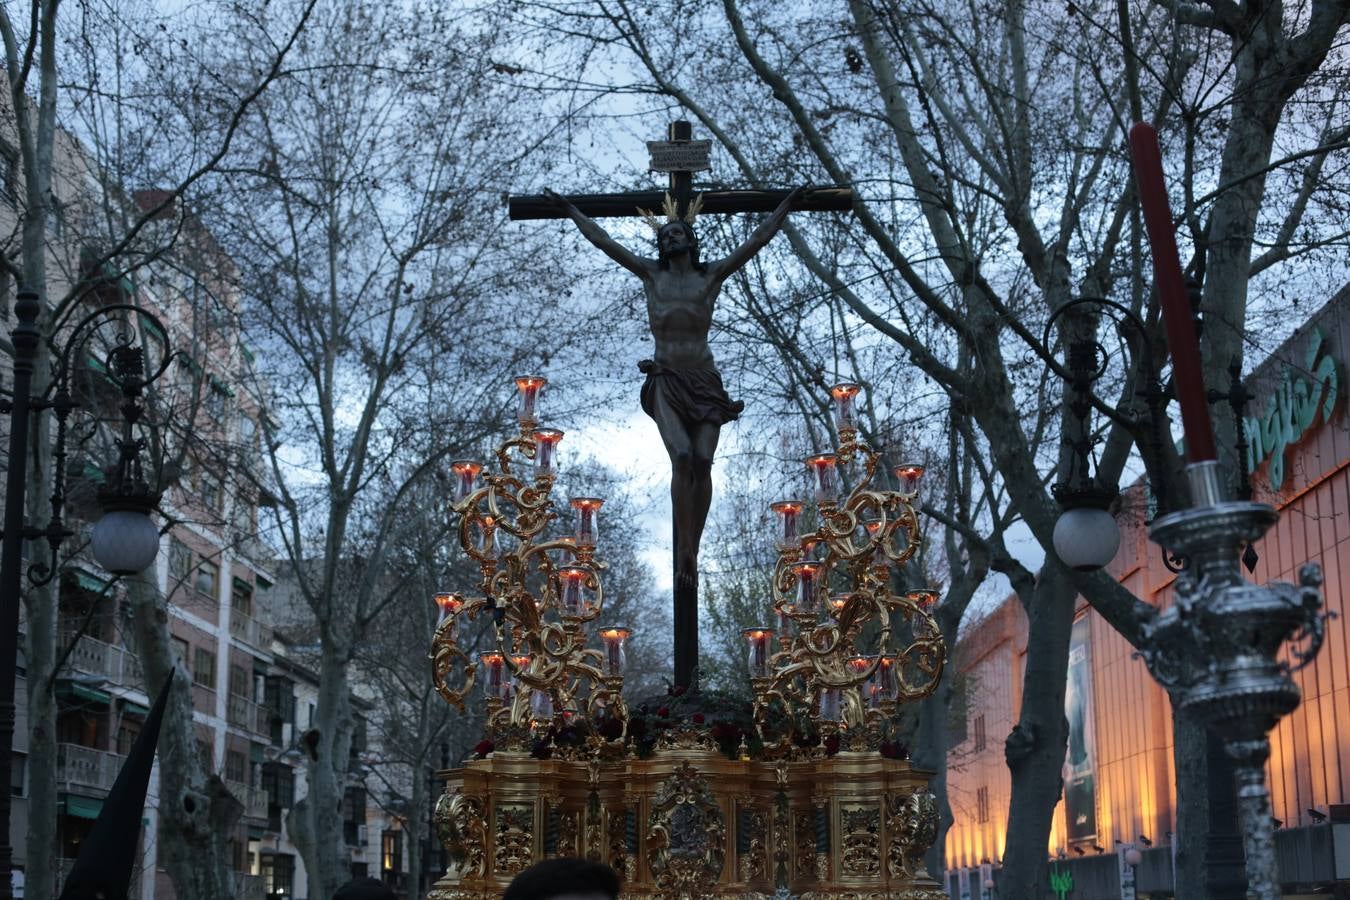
[695, 395]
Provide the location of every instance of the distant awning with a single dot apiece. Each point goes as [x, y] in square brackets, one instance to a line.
[89, 582]
[135, 709]
[75, 691]
[256, 833]
[83, 807]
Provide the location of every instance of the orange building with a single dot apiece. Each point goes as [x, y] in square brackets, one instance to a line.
[1119, 780]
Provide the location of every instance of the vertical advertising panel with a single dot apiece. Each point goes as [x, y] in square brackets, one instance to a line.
[1080, 787]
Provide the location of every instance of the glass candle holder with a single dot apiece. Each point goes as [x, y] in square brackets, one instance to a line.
[574, 599]
[908, 476]
[465, 472]
[448, 603]
[844, 396]
[808, 584]
[787, 536]
[831, 705]
[487, 534]
[494, 674]
[528, 388]
[784, 624]
[924, 597]
[615, 658]
[545, 451]
[838, 602]
[587, 509]
[873, 533]
[883, 684]
[522, 664]
[758, 641]
[541, 706]
[824, 469]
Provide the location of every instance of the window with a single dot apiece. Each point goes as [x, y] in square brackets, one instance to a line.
[208, 488]
[279, 782]
[206, 754]
[979, 734]
[391, 852]
[180, 649]
[9, 172]
[239, 682]
[241, 596]
[203, 667]
[208, 578]
[180, 561]
[982, 804]
[127, 733]
[236, 767]
[278, 873]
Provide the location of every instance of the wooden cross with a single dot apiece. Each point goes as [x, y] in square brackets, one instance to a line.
[681, 156]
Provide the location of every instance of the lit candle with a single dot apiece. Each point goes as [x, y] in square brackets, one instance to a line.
[877, 539]
[884, 680]
[831, 707]
[528, 387]
[845, 417]
[1176, 308]
[466, 473]
[615, 658]
[789, 514]
[824, 478]
[522, 664]
[587, 520]
[758, 640]
[908, 476]
[448, 603]
[838, 602]
[925, 597]
[487, 529]
[494, 684]
[545, 443]
[808, 584]
[575, 595]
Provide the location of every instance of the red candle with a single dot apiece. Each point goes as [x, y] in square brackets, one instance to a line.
[1176, 309]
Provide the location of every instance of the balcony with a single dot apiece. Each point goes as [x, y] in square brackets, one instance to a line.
[254, 799]
[84, 767]
[117, 664]
[250, 630]
[246, 714]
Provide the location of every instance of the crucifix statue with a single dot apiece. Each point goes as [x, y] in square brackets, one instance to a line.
[683, 391]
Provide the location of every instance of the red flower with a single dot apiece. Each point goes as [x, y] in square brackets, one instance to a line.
[698, 718]
[832, 745]
[678, 690]
[483, 748]
[664, 712]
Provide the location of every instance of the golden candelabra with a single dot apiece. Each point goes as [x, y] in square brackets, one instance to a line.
[541, 678]
[841, 815]
[850, 648]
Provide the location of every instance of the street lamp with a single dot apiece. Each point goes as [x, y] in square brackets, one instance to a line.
[124, 541]
[1086, 536]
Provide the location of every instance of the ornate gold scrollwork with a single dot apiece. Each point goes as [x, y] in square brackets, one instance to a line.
[912, 822]
[462, 831]
[513, 845]
[861, 840]
[686, 835]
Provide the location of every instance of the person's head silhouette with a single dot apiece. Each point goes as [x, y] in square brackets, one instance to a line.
[564, 879]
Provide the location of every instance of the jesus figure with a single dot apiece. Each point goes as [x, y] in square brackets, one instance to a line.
[683, 392]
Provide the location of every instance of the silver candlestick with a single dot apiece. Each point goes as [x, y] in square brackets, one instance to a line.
[1218, 646]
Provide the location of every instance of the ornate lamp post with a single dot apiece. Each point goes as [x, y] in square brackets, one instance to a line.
[124, 541]
[1219, 646]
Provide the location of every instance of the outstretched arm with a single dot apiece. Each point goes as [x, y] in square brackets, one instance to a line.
[758, 238]
[600, 237]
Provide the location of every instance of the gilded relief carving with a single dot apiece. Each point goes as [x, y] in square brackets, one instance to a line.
[804, 843]
[568, 834]
[686, 835]
[861, 841]
[462, 831]
[514, 847]
[618, 844]
[752, 861]
[913, 825]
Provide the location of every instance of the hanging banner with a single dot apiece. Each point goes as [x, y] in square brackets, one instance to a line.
[1080, 786]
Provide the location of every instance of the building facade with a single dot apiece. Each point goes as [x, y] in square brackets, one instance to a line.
[1119, 774]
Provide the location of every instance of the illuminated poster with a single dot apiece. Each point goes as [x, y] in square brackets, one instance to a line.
[1080, 788]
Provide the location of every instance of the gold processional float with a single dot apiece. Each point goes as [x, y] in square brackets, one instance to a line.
[808, 795]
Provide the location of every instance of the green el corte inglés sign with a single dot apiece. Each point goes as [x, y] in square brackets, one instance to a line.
[1299, 400]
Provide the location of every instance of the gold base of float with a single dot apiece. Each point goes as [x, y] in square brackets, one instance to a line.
[693, 824]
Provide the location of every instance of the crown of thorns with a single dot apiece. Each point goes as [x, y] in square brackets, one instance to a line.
[672, 212]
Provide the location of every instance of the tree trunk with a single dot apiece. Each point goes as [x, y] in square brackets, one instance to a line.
[414, 838]
[196, 810]
[1035, 749]
[318, 831]
[40, 870]
[930, 752]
